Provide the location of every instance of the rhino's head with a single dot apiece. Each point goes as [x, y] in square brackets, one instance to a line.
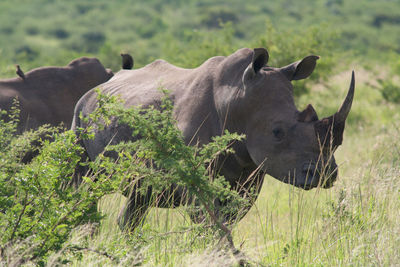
[292, 146]
[91, 70]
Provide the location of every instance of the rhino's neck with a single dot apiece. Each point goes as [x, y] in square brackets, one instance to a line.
[228, 94]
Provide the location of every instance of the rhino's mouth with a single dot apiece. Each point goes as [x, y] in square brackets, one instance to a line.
[312, 176]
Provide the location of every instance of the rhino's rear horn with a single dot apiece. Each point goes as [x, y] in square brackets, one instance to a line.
[330, 130]
[308, 114]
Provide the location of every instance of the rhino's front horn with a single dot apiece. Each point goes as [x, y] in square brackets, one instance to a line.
[330, 130]
[344, 110]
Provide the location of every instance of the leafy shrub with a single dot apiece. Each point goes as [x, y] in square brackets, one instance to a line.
[380, 19]
[60, 33]
[37, 215]
[88, 42]
[214, 18]
[39, 211]
[313, 40]
[93, 41]
[390, 90]
[32, 30]
[109, 56]
[152, 26]
[283, 50]
[199, 46]
[83, 8]
[26, 53]
[6, 30]
[174, 162]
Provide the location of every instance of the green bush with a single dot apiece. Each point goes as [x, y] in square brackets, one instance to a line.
[199, 46]
[390, 90]
[289, 46]
[37, 214]
[215, 17]
[40, 210]
[26, 53]
[284, 47]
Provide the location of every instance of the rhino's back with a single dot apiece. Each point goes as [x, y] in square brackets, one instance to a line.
[142, 86]
[190, 91]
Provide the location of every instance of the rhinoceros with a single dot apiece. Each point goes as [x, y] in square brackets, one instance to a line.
[48, 95]
[239, 93]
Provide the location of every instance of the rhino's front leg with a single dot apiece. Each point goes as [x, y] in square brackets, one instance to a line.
[197, 214]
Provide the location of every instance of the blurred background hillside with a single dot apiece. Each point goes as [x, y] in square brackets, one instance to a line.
[347, 35]
[43, 32]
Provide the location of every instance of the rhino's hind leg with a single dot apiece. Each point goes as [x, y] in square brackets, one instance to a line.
[196, 214]
[134, 211]
[80, 169]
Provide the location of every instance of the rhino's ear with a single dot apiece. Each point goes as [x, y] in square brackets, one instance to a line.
[300, 69]
[260, 59]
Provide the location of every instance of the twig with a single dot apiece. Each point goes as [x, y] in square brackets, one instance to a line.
[102, 253]
[179, 232]
[239, 256]
[20, 216]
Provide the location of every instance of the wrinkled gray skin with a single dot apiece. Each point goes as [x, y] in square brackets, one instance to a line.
[48, 95]
[238, 93]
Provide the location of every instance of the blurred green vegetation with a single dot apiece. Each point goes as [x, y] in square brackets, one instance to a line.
[34, 33]
[186, 33]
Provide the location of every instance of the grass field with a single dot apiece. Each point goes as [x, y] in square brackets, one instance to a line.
[355, 223]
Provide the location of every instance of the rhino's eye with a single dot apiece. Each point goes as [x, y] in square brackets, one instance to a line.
[278, 133]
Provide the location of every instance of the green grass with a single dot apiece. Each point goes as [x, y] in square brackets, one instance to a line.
[353, 224]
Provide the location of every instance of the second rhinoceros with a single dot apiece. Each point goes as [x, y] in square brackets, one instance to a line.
[47, 95]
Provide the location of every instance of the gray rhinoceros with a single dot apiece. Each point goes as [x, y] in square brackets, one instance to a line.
[48, 95]
[239, 93]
